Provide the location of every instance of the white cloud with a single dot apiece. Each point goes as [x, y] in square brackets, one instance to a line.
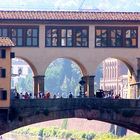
[65, 4]
[119, 5]
[103, 5]
[137, 3]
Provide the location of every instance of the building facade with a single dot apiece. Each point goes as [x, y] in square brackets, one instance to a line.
[87, 38]
[115, 77]
[5, 71]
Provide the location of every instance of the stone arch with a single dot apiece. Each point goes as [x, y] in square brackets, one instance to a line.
[62, 89]
[126, 62]
[77, 62]
[21, 77]
[112, 111]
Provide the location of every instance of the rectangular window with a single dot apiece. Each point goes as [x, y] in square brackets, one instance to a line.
[32, 37]
[52, 37]
[12, 55]
[65, 36]
[101, 37]
[2, 53]
[21, 35]
[116, 37]
[3, 94]
[81, 37]
[3, 32]
[2, 73]
[131, 37]
[17, 36]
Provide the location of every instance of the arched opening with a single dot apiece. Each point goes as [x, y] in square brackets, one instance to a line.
[62, 76]
[21, 77]
[115, 75]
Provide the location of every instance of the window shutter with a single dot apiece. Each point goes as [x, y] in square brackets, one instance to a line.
[3, 73]
[12, 55]
[3, 53]
[3, 94]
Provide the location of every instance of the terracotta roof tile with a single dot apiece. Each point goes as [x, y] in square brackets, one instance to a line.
[69, 15]
[6, 42]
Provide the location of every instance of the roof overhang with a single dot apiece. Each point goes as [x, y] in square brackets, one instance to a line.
[6, 42]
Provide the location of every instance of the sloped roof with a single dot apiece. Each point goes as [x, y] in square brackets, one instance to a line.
[70, 15]
[6, 42]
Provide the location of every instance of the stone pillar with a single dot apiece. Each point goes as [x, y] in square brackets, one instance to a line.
[138, 76]
[85, 78]
[138, 85]
[38, 84]
[91, 86]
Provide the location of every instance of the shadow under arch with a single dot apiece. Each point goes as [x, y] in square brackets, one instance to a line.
[29, 63]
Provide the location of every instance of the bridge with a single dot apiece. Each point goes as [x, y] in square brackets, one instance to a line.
[86, 47]
[40, 38]
[123, 112]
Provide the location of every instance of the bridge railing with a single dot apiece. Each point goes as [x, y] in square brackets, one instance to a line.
[76, 103]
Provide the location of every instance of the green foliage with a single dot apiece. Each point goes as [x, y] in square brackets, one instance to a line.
[25, 84]
[54, 132]
[53, 77]
[64, 124]
[68, 134]
[133, 137]
[62, 76]
[105, 136]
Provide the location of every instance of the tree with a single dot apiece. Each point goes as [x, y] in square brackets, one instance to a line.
[62, 76]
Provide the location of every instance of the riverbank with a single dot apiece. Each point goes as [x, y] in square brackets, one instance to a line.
[54, 132]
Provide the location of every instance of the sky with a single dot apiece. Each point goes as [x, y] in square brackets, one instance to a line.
[90, 5]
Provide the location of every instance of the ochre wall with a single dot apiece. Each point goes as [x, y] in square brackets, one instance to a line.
[5, 83]
[87, 58]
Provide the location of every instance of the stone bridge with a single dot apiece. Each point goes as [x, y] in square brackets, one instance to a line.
[123, 112]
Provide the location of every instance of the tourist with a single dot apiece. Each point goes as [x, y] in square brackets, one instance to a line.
[30, 95]
[21, 96]
[26, 95]
[17, 95]
[54, 96]
[47, 96]
[118, 96]
[40, 94]
[70, 95]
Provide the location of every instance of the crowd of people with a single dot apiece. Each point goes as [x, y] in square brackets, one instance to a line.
[107, 94]
[25, 95]
[28, 95]
[39, 95]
